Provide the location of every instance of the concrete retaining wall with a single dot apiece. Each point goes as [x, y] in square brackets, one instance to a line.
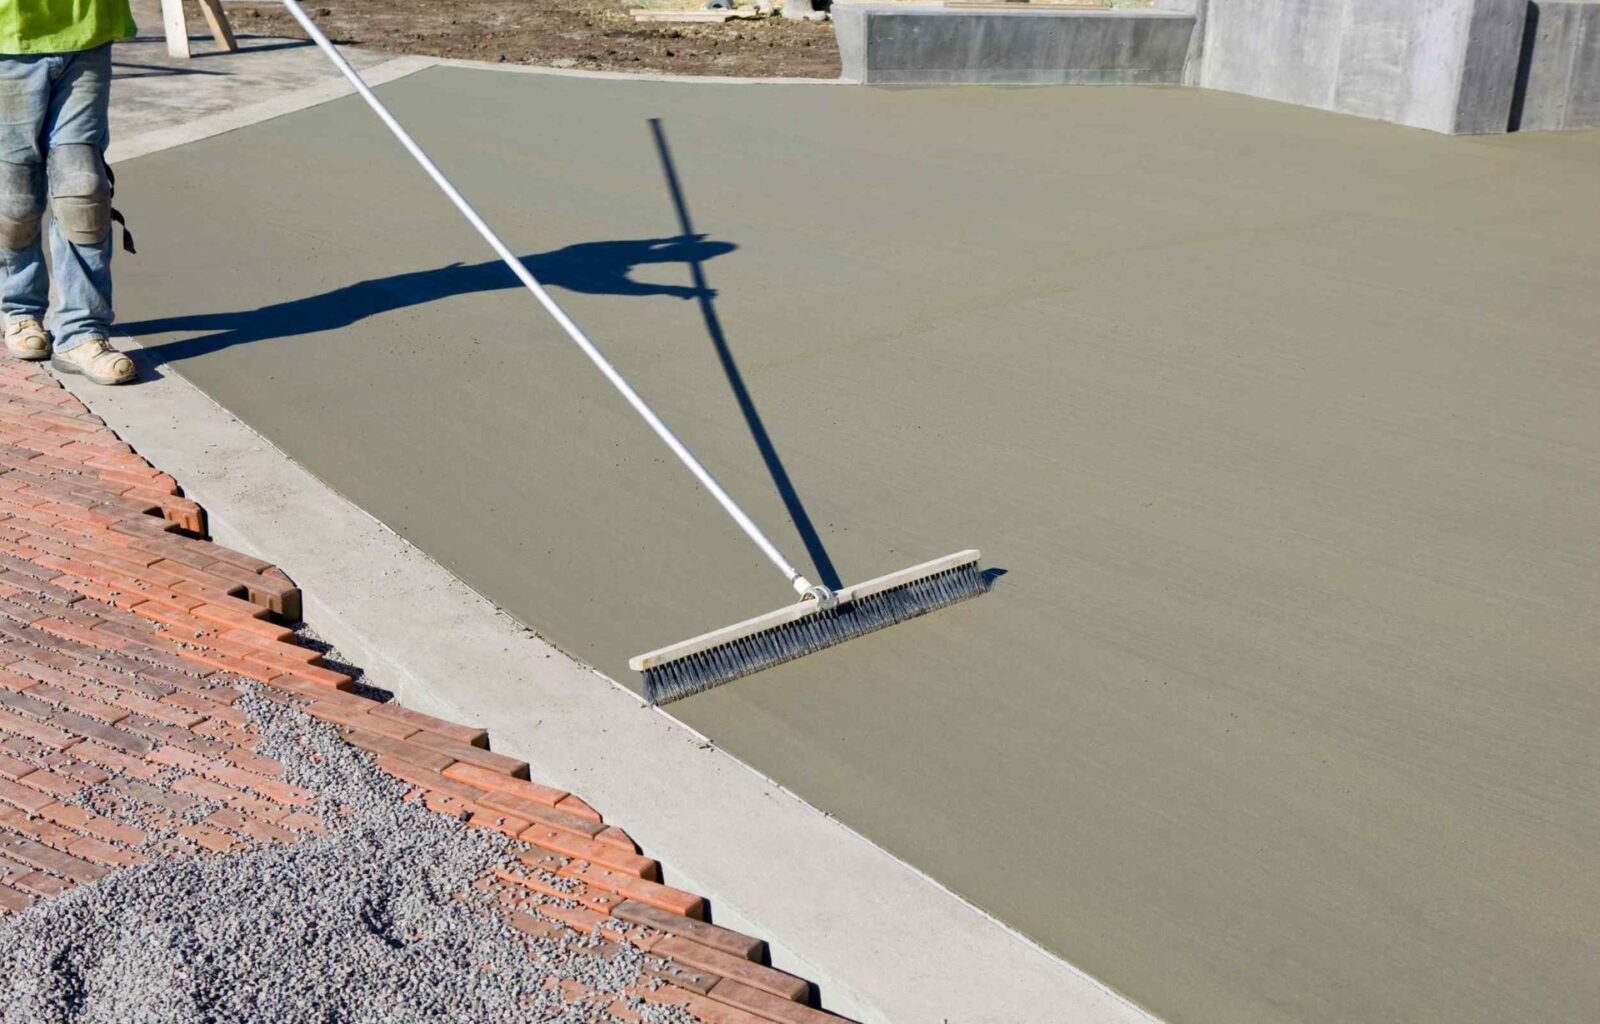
[885, 45]
[1456, 66]
[1559, 86]
[1448, 65]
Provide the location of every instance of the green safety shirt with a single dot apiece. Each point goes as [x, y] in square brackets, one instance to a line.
[62, 26]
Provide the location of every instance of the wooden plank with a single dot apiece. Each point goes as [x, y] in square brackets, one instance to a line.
[177, 28]
[217, 18]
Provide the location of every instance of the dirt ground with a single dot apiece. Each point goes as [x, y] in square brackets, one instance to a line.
[589, 34]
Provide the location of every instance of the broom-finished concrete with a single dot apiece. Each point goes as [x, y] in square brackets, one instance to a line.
[1278, 420]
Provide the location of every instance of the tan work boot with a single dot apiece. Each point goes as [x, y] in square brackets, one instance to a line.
[96, 359]
[26, 339]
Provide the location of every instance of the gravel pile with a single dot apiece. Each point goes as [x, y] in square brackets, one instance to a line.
[377, 921]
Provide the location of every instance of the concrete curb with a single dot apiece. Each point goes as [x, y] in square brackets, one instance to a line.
[838, 907]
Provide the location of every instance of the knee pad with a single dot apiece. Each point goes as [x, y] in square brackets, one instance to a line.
[21, 204]
[80, 194]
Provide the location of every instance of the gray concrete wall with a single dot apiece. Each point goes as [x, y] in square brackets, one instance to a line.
[1194, 60]
[1454, 66]
[932, 45]
[1559, 85]
[1448, 65]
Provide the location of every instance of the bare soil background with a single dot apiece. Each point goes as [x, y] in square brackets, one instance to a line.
[590, 34]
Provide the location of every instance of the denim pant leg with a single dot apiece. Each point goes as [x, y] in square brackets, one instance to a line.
[24, 107]
[79, 107]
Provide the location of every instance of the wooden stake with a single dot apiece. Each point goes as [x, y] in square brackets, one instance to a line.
[217, 18]
[177, 29]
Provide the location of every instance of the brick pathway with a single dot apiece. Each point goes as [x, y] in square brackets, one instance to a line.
[124, 638]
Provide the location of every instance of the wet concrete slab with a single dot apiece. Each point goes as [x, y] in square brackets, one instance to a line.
[1280, 423]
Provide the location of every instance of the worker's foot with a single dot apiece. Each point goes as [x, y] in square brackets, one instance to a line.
[96, 359]
[26, 339]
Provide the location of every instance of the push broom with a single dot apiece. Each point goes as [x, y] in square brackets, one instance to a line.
[822, 617]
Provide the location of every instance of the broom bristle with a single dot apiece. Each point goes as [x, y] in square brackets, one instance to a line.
[823, 628]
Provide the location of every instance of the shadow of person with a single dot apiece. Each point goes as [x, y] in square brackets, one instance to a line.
[591, 268]
[604, 268]
[119, 74]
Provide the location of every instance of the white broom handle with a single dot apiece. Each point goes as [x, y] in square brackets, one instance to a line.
[799, 582]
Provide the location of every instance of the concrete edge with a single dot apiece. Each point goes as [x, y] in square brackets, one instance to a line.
[223, 122]
[321, 92]
[835, 907]
[630, 76]
[242, 117]
[1102, 13]
[333, 88]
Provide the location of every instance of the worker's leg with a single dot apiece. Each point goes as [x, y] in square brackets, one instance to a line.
[24, 284]
[80, 223]
[80, 197]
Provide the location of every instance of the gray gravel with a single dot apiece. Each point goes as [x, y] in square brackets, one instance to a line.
[378, 921]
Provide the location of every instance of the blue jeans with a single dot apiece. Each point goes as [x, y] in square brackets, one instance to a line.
[49, 101]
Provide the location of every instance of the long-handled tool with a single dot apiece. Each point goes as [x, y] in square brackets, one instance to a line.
[822, 617]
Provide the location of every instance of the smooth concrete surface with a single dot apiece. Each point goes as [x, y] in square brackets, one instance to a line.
[1559, 88]
[1280, 423]
[890, 44]
[1447, 65]
[875, 935]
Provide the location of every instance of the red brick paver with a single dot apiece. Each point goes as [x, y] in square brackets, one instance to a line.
[123, 635]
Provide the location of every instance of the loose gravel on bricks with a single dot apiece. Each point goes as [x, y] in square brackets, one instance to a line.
[375, 920]
[207, 816]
